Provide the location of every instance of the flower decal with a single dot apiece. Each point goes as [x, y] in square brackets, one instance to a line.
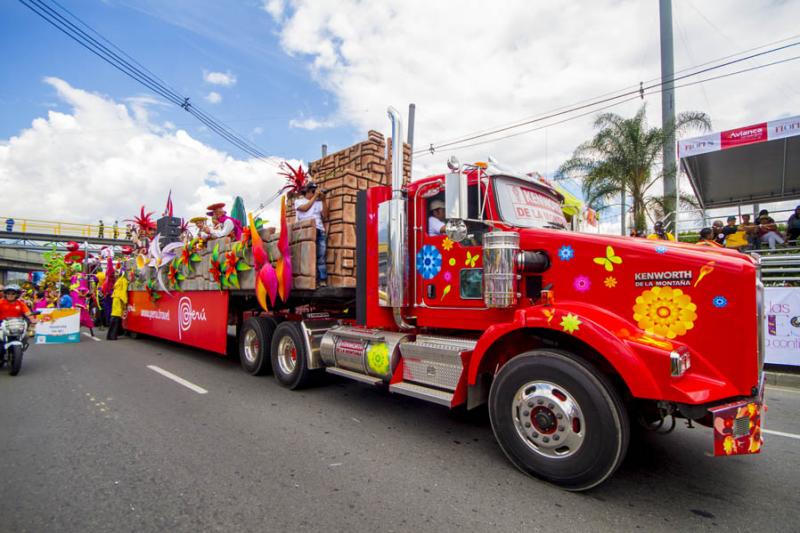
[429, 261]
[448, 276]
[665, 311]
[609, 260]
[610, 282]
[719, 302]
[378, 358]
[661, 249]
[452, 261]
[565, 253]
[571, 323]
[447, 244]
[582, 283]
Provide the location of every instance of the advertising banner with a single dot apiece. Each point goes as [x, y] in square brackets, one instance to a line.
[782, 325]
[195, 318]
[56, 326]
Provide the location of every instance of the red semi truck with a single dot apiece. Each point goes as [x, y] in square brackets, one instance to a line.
[569, 338]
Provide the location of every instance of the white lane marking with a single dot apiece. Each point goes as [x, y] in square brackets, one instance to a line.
[782, 389]
[91, 336]
[781, 434]
[178, 379]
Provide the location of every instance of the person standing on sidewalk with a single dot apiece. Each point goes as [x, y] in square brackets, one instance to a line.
[312, 205]
[100, 229]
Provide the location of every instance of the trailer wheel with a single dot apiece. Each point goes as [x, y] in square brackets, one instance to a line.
[558, 419]
[289, 356]
[254, 342]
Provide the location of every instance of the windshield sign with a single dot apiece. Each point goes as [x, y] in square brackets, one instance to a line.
[523, 206]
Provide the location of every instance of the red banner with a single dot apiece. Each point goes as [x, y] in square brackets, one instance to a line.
[196, 318]
[740, 136]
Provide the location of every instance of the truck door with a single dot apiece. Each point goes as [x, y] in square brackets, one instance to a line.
[450, 274]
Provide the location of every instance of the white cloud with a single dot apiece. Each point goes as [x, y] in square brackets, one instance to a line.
[101, 160]
[310, 123]
[275, 8]
[213, 97]
[258, 130]
[471, 65]
[225, 79]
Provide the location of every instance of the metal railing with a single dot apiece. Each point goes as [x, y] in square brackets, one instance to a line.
[780, 267]
[54, 227]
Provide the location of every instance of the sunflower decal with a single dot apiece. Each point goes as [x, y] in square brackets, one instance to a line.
[665, 311]
[378, 358]
[429, 261]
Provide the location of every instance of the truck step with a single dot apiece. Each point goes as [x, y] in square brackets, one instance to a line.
[353, 375]
[434, 361]
[423, 393]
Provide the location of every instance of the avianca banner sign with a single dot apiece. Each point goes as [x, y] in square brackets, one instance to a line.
[197, 318]
[766, 131]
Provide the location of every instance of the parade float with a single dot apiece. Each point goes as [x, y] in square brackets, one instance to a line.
[568, 337]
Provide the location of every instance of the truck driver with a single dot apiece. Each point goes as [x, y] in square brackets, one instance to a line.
[436, 219]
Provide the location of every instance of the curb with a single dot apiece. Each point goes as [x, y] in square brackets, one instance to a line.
[782, 379]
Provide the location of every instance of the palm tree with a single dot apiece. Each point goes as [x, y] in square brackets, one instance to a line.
[624, 158]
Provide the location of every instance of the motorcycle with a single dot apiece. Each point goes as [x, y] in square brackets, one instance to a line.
[13, 342]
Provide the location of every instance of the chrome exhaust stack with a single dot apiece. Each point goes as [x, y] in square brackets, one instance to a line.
[393, 234]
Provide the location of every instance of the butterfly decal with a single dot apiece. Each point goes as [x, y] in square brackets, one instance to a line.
[609, 260]
[471, 259]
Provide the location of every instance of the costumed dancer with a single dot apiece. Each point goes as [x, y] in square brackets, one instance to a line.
[80, 300]
[119, 303]
[222, 224]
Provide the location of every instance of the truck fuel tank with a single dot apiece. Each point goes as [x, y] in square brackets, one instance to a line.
[371, 352]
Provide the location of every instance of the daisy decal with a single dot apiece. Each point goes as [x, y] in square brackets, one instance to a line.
[719, 302]
[429, 261]
[610, 282]
[661, 249]
[447, 244]
[565, 253]
[665, 311]
[582, 283]
[571, 323]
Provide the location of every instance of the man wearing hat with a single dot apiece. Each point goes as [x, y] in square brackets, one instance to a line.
[436, 220]
[222, 226]
[660, 233]
[312, 205]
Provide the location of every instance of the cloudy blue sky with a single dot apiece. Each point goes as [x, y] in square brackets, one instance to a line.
[79, 141]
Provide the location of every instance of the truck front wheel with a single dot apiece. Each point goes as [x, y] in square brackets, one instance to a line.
[558, 419]
[290, 356]
[254, 342]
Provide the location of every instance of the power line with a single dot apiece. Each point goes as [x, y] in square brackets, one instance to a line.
[615, 104]
[138, 73]
[600, 100]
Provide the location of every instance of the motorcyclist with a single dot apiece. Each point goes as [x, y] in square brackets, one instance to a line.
[12, 307]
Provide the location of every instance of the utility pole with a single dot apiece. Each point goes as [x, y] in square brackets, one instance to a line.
[412, 112]
[668, 110]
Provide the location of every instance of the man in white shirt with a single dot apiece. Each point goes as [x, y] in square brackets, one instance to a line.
[221, 226]
[312, 205]
[436, 220]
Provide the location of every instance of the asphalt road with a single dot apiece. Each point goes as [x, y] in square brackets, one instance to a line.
[91, 439]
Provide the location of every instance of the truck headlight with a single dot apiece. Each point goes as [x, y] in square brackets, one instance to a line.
[679, 363]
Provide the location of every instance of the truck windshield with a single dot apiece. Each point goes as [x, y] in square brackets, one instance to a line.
[522, 205]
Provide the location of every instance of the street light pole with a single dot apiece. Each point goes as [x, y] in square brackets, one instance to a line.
[668, 108]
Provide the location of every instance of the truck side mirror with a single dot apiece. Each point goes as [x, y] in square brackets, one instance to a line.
[455, 200]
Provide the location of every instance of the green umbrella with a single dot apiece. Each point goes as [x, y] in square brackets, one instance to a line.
[238, 211]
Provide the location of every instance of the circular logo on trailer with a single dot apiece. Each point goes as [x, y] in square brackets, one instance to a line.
[187, 315]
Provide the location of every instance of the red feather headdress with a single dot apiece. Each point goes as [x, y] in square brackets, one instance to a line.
[296, 178]
[144, 221]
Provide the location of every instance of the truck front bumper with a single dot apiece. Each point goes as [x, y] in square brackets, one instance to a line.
[737, 425]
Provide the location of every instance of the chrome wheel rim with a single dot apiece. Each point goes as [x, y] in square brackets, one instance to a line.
[252, 346]
[287, 355]
[548, 419]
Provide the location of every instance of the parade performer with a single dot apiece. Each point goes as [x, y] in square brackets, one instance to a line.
[80, 300]
[119, 303]
[203, 232]
[222, 224]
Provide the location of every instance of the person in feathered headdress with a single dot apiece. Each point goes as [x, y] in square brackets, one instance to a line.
[144, 229]
[312, 205]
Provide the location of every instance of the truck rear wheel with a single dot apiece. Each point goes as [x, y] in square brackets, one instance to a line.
[558, 419]
[254, 344]
[290, 356]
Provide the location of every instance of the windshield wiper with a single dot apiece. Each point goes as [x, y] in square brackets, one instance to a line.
[554, 225]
